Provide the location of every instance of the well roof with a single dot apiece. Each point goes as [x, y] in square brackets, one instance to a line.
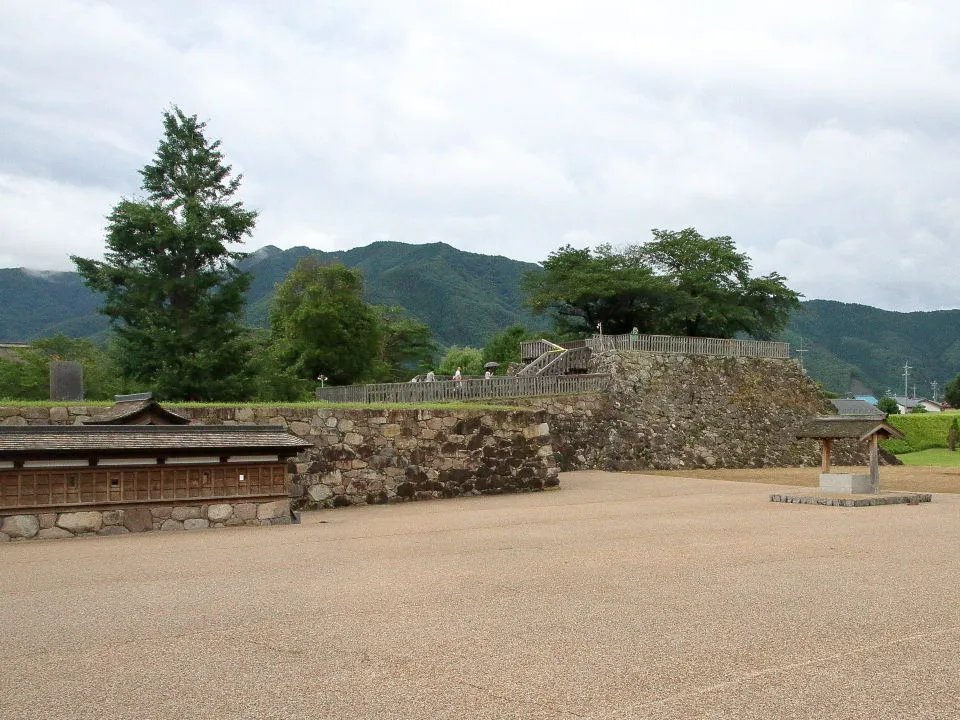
[846, 426]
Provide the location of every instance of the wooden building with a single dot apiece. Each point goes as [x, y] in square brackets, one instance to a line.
[61, 469]
[870, 430]
[139, 409]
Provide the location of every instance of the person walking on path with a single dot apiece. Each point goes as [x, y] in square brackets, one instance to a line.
[430, 377]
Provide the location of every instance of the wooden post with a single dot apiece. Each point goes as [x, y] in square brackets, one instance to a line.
[825, 455]
[874, 465]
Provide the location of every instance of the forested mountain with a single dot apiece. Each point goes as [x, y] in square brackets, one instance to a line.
[37, 303]
[857, 348]
[466, 297]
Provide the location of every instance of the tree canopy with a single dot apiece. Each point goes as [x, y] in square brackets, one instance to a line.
[26, 375]
[888, 405]
[171, 288]
[406, 345]
[951, 391]
[504, 347]
[680, 283]
[321, 325]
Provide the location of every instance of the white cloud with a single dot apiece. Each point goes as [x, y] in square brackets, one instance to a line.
[820, 135]
[69, 219]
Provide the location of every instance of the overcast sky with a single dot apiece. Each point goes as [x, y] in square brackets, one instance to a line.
[821, 135]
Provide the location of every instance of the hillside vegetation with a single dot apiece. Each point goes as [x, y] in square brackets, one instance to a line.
[923, 431]
[861, 349]
[465, 298]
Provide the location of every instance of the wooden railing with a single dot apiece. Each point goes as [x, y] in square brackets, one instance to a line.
[677, 344]
[532, 349]
[575, 360]
[690, 345]
[449, 390]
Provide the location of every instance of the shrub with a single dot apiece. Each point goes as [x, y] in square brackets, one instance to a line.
[923, 431]
[888, 405]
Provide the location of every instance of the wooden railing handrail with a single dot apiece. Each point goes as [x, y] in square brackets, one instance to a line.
[683, 345]
[674, 344]
[450, 390]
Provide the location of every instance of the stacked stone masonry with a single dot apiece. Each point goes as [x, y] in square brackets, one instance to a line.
[660, 412]
[366, 456]
[672, 412]
[119, 521]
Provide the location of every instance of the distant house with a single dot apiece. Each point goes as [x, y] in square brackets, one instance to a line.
[858, 408]
[906, 404]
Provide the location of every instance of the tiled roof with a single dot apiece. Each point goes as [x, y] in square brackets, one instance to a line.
[127, 410]
[858, 407]
[67, 440]
[849, 426]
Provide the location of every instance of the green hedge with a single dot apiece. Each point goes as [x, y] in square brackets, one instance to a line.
[923, 431]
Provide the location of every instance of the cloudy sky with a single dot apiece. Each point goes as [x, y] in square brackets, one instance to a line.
[821, 135]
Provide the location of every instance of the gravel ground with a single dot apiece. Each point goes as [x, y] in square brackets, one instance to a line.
[617, 596]
[908, 478]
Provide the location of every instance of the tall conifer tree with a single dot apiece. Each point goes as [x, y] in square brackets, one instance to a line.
[171, 287]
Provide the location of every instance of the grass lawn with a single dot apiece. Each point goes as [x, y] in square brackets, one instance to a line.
[939, 457]
[909, 478]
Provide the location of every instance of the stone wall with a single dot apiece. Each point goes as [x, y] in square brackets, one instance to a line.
[667, 411]
[142, 518]
[362, 456]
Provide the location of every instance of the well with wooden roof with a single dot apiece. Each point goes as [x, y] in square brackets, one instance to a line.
[870, 430]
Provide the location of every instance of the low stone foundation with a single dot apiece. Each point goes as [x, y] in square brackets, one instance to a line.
[143, 518]
[868, 501]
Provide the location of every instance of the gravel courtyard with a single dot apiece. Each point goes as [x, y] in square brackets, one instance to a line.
[617, 596]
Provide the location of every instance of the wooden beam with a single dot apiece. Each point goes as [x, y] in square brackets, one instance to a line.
[825, 455]
[874, 464]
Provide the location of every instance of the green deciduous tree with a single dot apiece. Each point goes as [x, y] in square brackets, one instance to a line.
[468, 359]
[320, 324]
[951, 391]
[406, 345]
[26, 376]
[504, 347]
[713, 294]
[171, 288]
[888, 405]
[580, 288]
[680, 283]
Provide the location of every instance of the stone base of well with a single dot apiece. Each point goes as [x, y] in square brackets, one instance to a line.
[850, 501]
[119, 520]
[854, 483]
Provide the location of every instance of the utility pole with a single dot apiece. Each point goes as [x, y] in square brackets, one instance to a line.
[935, 385]
[906, 377]
[800, 352]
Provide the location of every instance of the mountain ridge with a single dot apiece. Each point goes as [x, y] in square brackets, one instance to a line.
[465, 298]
